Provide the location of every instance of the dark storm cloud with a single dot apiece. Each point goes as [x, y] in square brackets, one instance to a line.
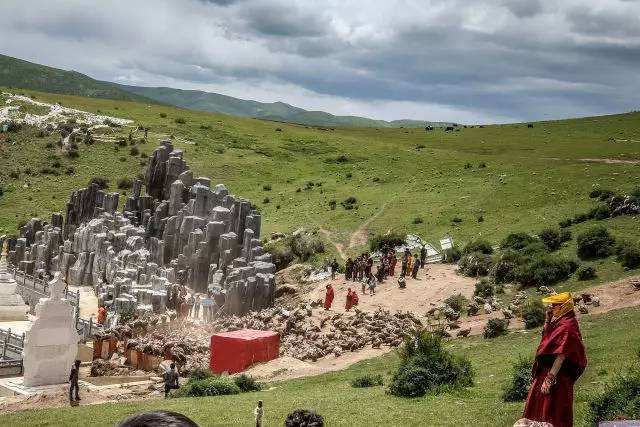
[455, 59]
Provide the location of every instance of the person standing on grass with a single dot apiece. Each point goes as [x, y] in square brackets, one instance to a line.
[259, 413]
[560, 360]
[170, 380]
[328, 297]
[74, 387]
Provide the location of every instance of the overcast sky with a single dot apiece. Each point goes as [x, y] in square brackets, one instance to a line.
[449, 60]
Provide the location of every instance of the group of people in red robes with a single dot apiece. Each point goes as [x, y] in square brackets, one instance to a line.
[351, 300]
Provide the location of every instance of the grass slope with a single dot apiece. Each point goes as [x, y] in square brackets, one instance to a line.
[607, 338]
[15, 72]
[515, 178]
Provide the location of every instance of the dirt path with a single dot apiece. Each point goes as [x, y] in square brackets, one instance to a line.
[361, 235]
[339, 246]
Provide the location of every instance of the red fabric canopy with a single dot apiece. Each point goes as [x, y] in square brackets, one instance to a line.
[235, 351]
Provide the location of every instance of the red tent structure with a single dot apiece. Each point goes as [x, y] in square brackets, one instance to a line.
[235, 351]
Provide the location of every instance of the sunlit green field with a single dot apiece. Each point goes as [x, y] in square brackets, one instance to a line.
[610, 348]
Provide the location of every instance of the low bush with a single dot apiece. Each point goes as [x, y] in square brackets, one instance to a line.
[595, 242]
[552, 238]
[200, 374]
[125, 183]
[266, 187]
[367, 380]
[426, 366]
[247, 383]
[332, 205]
[304, 418]
[628, 254]
[281, 253]
[566, 223]
[495, 327]
[451, 255]
[100, 181]
[457, 302]
[390, 240]
[518, 387]
[475, 264]
[180, 120]
[212, 386]
[516, 241]
[481, 246]
[417, 220]
[545, 270]
[600, 212]
[134, 151]
[586, 272]
[349, 203]
[304, 246]
[483, 289]
[533, 314]
[163, 115]
[620, 399]
[266, 200]
[505, 266]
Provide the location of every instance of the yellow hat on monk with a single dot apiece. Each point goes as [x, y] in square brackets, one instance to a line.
[560, 298]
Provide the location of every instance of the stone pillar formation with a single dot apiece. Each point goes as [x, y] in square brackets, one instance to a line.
[177, 227]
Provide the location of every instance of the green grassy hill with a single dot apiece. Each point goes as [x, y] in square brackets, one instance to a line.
[606, 337]
[17, 73]
[276, 111]
[476, 182]
[27, 75]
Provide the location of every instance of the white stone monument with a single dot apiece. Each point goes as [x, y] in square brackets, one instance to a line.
[51, 345]
[12, 306]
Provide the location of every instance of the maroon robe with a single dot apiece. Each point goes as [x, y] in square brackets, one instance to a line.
[561, 337]
[328, 298]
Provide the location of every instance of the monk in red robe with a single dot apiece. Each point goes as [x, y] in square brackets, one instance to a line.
[560, 360]
[354, 298]
[349, 303]
[328, 297]
[102, 315]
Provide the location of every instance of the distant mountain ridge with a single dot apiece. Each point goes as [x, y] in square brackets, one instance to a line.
[23, 74]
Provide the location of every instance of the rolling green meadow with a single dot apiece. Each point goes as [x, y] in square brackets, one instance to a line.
[609, 344]
[475, 182]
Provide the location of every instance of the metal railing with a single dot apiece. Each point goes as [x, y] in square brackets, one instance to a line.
[11, 349]
[41, 286]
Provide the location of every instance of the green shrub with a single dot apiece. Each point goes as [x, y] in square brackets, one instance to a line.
[349, 203]
[551, 238]
[212, 386]
[580, 218]
[484, 289]
[266, 187]
[426, 366]
[367, 380]
[586, 272]
[533, 314]
[200, 374]
[451, 255]
[304, 417]
[628, 254]
[125, 183]
[417, 220]
[266, 200]
[134, 151]
[566, 223]
[247, 383]
[495, 327]
[390, 240]
[600, 212]
[281, 253]
[304, 246]
[475, 264]
[100, 181]
[457, 302]
[481, 246]
[180, 120]
[518, 388]
[533, 249]
[545, 270]
[620, 399]
[516, 241]
[594, 243]
[332, 205]
[505, 266]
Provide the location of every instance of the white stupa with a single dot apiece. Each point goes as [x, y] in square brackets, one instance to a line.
[51, 345]
[12, 306]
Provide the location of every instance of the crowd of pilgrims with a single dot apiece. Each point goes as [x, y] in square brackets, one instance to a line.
[361, 269]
